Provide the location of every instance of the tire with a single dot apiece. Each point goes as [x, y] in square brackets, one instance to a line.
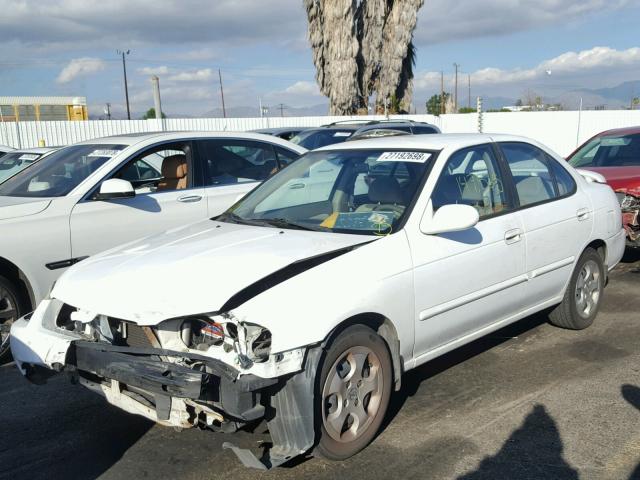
[11, 308]
[583, 297]
[354, 388]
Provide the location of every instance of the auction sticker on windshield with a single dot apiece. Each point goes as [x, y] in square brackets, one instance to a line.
[417, 157]
[103, 153]
[29, 156]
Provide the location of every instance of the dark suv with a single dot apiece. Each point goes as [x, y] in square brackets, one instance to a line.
[353, 129]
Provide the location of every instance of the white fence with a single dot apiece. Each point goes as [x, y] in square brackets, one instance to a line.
[562, 131]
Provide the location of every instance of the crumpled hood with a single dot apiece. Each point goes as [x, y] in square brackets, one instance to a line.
[187, 271]
[620, 178]
[13, 207]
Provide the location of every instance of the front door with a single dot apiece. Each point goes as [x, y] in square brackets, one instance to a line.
[168, 194]
[466, 281]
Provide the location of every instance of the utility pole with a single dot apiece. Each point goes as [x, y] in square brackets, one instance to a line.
[455, 96]
[107, 111]
[469, 98]
[282, 106]
[224, 110]
[126, 87]
[443, 108]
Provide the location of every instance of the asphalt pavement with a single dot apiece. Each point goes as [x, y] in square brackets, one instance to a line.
[528, 402]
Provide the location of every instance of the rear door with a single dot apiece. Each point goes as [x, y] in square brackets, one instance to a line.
[468, 280]
[556, 215]
[169, 193]
[233, 167]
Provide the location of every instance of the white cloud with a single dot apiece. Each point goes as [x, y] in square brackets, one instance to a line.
[303, 88]
[161, 70]
[567, 66]
[79, 67]
[201, 75]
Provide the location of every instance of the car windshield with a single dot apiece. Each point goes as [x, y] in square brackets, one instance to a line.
[60, 172]
[609, 151]
[347, 191]
[311, 139]
[13, 162]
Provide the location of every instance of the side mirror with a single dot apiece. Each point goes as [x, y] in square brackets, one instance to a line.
[115, 188]
[448, 218]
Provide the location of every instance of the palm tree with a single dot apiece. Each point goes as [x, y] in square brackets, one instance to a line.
[361, 47]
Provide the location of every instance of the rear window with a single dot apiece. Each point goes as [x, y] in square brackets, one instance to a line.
[311, 139]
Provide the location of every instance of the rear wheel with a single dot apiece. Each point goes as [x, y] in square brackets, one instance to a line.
[582, 299]
[355, 387]
[10, 311]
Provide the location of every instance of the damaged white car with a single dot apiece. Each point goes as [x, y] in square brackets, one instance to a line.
[304, 303]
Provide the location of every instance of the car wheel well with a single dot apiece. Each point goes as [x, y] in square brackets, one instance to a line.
[383, 327]
[13, 273]
[601, 247]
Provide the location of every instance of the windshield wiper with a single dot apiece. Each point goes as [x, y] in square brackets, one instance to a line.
[234, 218]
[260, 222]
[284, 223]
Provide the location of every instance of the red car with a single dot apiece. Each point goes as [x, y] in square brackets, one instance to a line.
[615, 154]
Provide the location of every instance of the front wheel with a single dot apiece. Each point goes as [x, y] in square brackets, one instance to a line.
[354, 386]
[10, 311]
[582, 299]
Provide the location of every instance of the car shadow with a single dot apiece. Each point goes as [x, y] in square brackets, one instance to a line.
[140, 202]
[631, 394]
[532, 451]
[411, 380]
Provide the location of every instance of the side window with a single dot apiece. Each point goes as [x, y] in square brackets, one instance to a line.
[564, 181]
[419, 130]
[531, 173]
[472, 177]
[165, 167]
[286, 157]
[228, 162]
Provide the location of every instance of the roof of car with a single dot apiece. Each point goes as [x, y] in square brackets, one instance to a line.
[278, 130]
[434, 141]
[35, 150]
[620, 131]
[134, 138]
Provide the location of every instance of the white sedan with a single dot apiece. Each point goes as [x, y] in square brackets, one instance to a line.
[305, 302]
[97, 194]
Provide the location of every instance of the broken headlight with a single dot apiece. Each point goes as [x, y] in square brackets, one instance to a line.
[251, 342]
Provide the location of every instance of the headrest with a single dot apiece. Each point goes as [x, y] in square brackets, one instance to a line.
[174, 166]
[385, 190]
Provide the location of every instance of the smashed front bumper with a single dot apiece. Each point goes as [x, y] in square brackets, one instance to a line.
[174, 388]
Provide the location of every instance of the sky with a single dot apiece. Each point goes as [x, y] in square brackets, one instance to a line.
[508, 47]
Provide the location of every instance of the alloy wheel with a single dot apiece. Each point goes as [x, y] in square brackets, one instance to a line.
[588, 289]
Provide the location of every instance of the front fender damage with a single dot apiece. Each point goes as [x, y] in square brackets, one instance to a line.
[290, 419]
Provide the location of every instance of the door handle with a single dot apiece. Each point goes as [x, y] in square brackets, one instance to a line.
[513, 236]
[190, 198]
[582, 214]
